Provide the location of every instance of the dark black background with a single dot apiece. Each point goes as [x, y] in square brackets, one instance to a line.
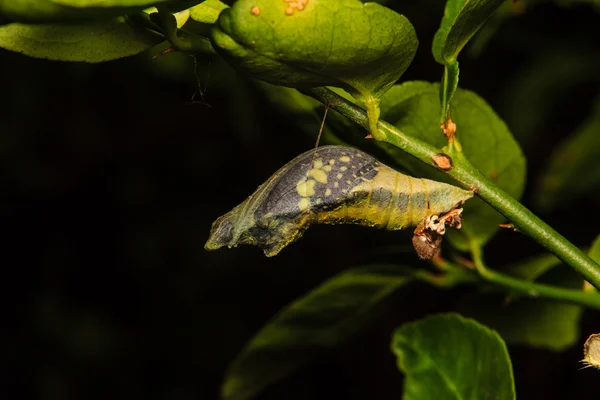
[111, 182]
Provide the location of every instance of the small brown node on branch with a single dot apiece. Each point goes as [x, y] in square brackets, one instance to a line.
[449, 129]
[369, 136]
[443, 162]
[294, 5]
[474, 189]
[255, 11]
[165, 51]
[509, 226]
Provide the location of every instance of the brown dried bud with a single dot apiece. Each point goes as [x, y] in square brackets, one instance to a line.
[427, 244]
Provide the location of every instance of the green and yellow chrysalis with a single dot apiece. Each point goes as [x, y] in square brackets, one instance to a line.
[339, 185]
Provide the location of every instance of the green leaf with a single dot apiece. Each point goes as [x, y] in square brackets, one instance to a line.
[450, 357]
[462, 19]
[573, 169]
[322, 320]
[74, 10]
[362, 48]
[448, 88]
[533, 322]
[536, 323]
[532, 268]
[414, 108]
[92, 42]
[537, 89]
[208, 12]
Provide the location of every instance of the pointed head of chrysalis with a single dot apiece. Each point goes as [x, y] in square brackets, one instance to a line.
[221, 232]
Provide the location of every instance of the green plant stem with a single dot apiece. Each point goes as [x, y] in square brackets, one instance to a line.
[464, 173]
[584, 298]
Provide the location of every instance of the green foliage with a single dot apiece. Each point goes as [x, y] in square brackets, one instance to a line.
[208, 12]
[532, 268]
[450, 357]
[322, 320]
[533, 322]
[462, 19]
[414, 107]
[106, 40]
[359, 50]
[573, 169]
[537, 322]
[362, 48]
[30, 11]
[541, 84]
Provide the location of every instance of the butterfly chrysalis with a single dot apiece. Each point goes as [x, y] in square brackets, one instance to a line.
[340, 185]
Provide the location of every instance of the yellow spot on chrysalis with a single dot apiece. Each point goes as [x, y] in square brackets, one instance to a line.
[328, 192]
[319, 201]
[304, 204]
[339, 176]
[349, 182]
[327, 168]
[318, 164]
[345, 159]
[331, 162]
[343, 169]
[306, 188]
[319, 175]
[255, 10]
[336, 184]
